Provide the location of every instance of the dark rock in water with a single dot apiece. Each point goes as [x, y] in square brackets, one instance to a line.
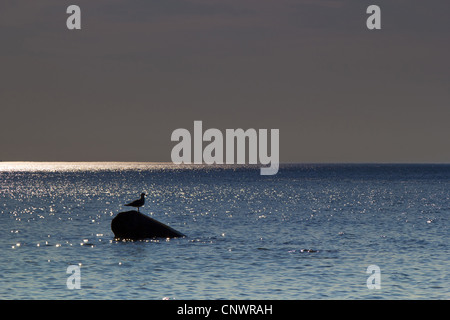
[133, 225]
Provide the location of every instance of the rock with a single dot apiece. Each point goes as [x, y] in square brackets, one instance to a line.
[133, 225]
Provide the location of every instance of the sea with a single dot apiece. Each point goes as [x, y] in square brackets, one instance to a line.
[312, 231]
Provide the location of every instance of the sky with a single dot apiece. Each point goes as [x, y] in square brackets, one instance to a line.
[139, 69]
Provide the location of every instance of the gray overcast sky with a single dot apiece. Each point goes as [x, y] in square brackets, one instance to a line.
[115, 90]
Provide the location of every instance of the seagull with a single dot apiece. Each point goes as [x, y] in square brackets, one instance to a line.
[137, 203]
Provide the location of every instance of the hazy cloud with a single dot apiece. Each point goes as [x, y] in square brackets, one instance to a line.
[137, 70]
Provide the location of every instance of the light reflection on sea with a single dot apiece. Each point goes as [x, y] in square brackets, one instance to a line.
[308, 232]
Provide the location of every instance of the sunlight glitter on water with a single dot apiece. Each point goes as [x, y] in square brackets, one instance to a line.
[319, 228]
[36, 166]
[31, 166]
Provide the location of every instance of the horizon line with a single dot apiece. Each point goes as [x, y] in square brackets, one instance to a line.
[218, 164]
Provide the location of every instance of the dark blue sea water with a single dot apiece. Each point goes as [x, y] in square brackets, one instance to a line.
[246, 233]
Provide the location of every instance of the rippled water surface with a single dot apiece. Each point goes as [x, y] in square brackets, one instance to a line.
[309, 232]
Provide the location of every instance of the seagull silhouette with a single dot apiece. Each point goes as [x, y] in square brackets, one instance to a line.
[137, 203]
